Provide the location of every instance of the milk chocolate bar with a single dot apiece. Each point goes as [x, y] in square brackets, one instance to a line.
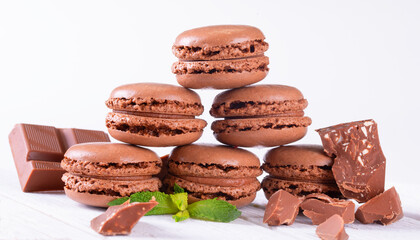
[38, 150]
[282, 208]
[332, 229]
[359, 164]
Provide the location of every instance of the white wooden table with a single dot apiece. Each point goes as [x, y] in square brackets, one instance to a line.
[54, 216]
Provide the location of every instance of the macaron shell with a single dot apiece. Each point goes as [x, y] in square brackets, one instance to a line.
[161, 141]
[241, 202]
[157, 91]
[298, 155]
[220, 80]
[89, 199]
[111, 153]
[300, 173]
[218, 35]
[214, 154]
[262, 137]
[259, 93]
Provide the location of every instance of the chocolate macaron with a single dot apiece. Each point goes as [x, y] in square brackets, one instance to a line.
[153, 114]
[215, 171]
[265, 115]
[100, 172]
[221, 57]
[300, 170]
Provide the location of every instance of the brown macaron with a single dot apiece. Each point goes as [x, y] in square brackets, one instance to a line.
[154, 114]
[300, 170]
[215, 171]
[221, 57]
[265, 115]
[97, 173]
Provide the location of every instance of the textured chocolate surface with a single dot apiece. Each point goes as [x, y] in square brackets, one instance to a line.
[384, 208]
[319, 207]
[37, 151]
[282, 208]
[332, 229]
[219, 42]
[359, 164]
[119, 220]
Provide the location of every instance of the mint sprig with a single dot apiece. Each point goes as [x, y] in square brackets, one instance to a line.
[177, 204]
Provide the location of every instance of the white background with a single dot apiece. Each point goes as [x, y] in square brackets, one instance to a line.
[352, 60]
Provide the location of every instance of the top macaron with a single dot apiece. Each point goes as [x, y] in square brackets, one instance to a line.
[220, 57]
[153, 114]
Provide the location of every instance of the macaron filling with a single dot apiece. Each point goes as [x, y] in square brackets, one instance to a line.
[148, 126]
[212, 170]
[210, 191]
[233, 50]
[299, 188]
[239, 108]
[151, 105]
[90, 168]
[109, 187]
[308, 173]
[251, 64]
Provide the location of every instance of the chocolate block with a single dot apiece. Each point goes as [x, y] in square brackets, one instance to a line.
[332, 229]
[384, 208]
[119, 220]
[282, 208]
[38, 150]
[319, 207]
[359, 164]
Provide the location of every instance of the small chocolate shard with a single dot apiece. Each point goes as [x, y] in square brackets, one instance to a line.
[384, 208]
[332, 229]
[359, 164]
[38, 150]
[282, 208]
[319, 207]
[120, 219]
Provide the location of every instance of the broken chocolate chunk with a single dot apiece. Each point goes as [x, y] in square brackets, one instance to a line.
[332, 229]
[319, 207]
[282, 208]
[384, 208]
[359, 164]
[120, 219]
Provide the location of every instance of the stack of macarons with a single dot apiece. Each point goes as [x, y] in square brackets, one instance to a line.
[160, 115]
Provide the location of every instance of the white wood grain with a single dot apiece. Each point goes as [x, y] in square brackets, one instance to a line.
[54, 216]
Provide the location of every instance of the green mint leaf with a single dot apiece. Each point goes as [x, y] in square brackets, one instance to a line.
[178, 189]
[181, 216]
[180, 200]
[213, 210]
[165, 206]
[118, 201]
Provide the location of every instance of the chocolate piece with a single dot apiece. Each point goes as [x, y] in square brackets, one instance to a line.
[282, 208]
[332, 229]
[384, 208]
[359, 166]
[319, 207]
[37, 151]
[119, 220]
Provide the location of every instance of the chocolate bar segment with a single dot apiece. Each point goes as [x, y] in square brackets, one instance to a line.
[38, 150]
[282, 208]
[319, 207]
[119, 220]
[359, 164]
[384, 208]
[332, 229]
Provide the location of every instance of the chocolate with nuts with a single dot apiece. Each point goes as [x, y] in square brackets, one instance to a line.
[359, 164]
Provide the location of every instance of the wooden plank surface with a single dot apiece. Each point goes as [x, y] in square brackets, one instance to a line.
[54, 216]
